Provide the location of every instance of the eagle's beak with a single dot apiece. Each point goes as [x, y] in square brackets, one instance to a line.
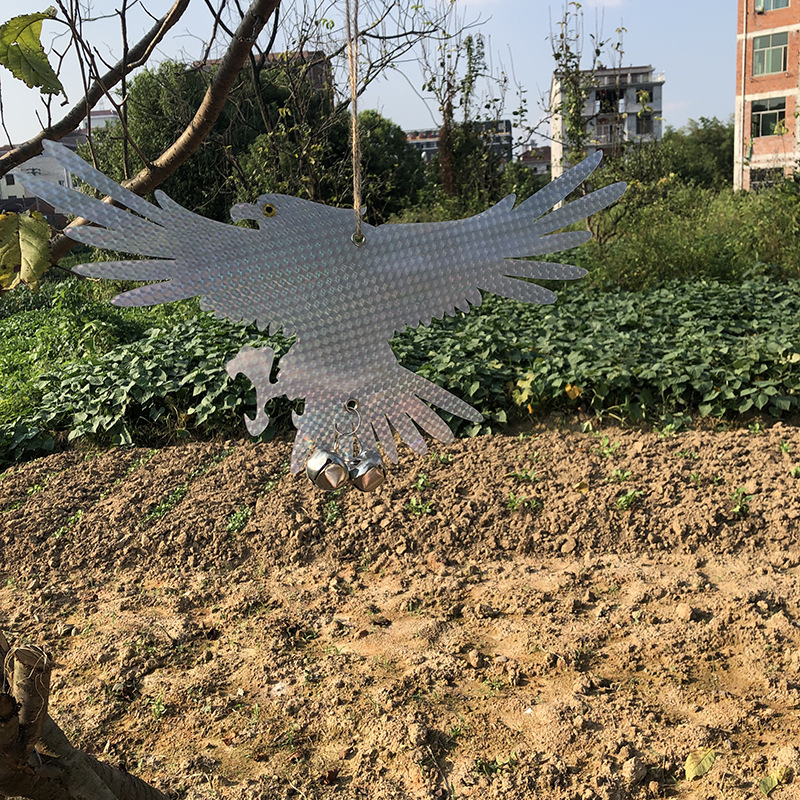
[245, 211]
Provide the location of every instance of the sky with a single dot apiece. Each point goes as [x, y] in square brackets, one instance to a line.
[693, 42]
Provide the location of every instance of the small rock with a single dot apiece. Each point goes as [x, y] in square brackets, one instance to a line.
[685, 613]
[455, 610]
[583, 685]
[485, 611]
[104, 656]
[474, 659]
[634, 770]
[569, 545]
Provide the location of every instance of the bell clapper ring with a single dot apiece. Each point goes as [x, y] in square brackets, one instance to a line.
[367, 470]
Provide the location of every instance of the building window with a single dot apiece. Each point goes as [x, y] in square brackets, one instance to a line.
[769, 53]
[768, 117]
[644, 125]
[765, 178]
[770, 5]
[9, 180]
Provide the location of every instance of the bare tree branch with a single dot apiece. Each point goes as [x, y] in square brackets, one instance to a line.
[137, 55]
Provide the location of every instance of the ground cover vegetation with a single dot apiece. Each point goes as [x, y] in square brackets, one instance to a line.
[661, 355]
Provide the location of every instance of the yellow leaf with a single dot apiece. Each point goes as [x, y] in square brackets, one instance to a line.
[698, 762]
[24, 249]
[573, 392]
[582, 486]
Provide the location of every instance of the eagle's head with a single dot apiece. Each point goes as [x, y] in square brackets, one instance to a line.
[283, 214]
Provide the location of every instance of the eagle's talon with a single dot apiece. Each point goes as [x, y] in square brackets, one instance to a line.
[257, 366]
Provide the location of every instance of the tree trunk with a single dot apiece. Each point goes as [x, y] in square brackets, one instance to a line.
[62, 772]
[445, 151]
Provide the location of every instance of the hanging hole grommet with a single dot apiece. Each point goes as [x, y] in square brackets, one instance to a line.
[359, 240]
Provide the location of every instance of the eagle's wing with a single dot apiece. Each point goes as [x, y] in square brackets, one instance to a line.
[190, 254]
[442, 266]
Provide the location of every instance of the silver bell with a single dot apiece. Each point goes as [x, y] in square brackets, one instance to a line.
[326, 470]
[367, 472]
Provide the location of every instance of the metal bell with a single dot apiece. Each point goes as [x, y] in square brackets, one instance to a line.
[326, 470]
[367, 472]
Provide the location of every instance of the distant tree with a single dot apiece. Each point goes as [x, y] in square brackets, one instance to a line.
[309, 156]
[160, 104]
[701, 152]
[394, 173]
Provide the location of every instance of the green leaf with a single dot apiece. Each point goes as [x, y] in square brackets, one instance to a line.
[24, 249]
[698, 762]
[21, 51]
[768, 783]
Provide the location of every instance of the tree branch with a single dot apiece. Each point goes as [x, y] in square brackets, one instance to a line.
[196, 131]
[137, 55]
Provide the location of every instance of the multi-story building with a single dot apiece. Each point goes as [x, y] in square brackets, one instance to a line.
[537, 160]
[766, 142]
[14, 196]
[498, 134]
[622, 105]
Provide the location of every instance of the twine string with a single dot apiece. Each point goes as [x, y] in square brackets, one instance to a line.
[352, 56]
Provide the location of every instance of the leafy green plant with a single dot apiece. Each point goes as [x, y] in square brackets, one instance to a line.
[515, 503]
[485, 767]
[795, 472]
[740, 502]
[76, 368]
[157, 708]
[628, 500]
[332, 512]
[606, 447]
[619, 475]
[419, 507]
[174, 496]
[525, 475]
[786, 447]
[689, 454]
[422, 482]
[71, 520]
[238, 519]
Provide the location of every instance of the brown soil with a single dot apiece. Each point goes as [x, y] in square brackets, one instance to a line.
[473, 630]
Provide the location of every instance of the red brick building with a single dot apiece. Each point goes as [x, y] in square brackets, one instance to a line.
[767, 91]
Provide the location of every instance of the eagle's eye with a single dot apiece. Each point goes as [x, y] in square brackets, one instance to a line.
[269, 210]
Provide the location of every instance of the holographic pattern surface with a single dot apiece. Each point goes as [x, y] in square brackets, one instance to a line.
[301, 272]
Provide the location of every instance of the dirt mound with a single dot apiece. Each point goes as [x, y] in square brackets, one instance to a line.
[558, 615]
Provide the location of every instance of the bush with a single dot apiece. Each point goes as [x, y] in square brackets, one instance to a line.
[679, 231]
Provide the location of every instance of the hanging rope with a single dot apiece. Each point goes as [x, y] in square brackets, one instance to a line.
[352, 55]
